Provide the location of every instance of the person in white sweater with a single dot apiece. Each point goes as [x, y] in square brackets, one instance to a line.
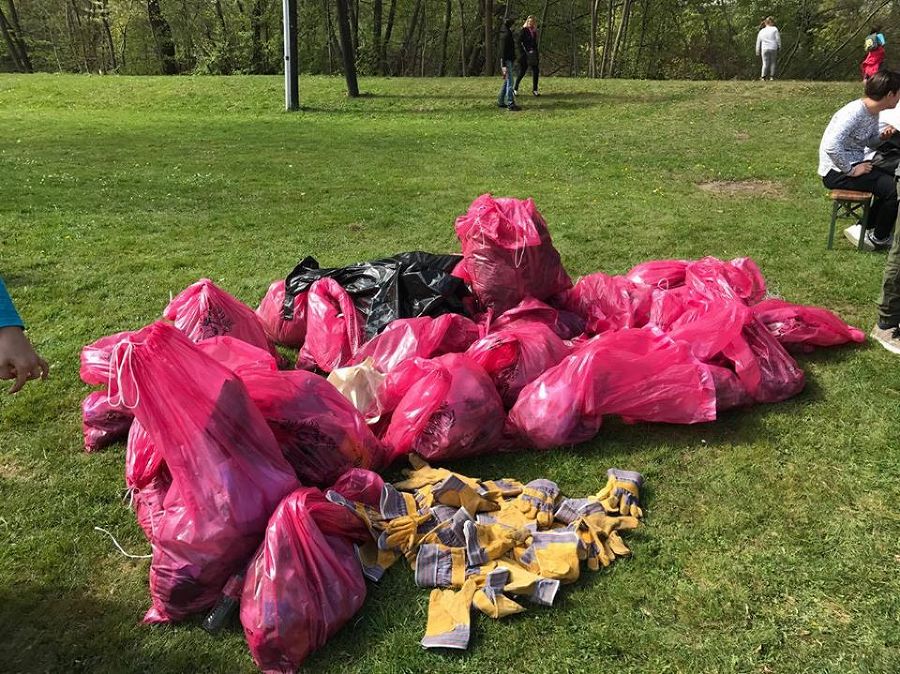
[768, 42]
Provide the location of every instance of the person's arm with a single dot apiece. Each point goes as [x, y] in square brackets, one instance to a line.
[777, 39]
[17, 357]
[758, 43]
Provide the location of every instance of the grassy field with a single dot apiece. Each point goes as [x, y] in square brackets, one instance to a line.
[772, 540]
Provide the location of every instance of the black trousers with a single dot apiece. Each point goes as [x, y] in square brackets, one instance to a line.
[523, 68]
[880, 183]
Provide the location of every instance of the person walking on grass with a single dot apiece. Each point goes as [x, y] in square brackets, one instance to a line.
[506, 98]
[528, 54]
[874, 45]
[768, 42]
[18, 359]
[842, 154]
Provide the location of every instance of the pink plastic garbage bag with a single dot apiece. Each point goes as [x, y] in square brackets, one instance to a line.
[516, 356]
[203, 310]
[95, 359]
[802, 328]
[450, 409]
[607, 303]
[663, 274]
[508, 253]
[738, 279]
[280, 330]
[228, 473]
[301, 587]
[237, 355]
[361, 485]
[640, 375]
[147, 478]
[334, 328]
[565, 324]
[765, 369]
[423, 337]
[101, 423]
[320, 432]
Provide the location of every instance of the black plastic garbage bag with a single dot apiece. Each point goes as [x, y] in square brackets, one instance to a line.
[406, 285]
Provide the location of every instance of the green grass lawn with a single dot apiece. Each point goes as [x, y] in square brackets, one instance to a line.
[772, 536]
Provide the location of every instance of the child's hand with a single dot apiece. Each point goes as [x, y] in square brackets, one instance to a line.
[887, 132]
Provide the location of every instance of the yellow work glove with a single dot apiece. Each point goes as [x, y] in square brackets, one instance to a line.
[552, 554]
[440, 566]
[397, 503]
[622, 493]
[599, 534]
[449, 616]
[486, 542]
[375, 561]
[523, 582]
[422, 474]
[509, 515]
[454, 492]
[404, 533]
[537, 502]
[490, 599]
[507, 487]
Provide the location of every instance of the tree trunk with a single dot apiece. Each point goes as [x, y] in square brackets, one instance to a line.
[353, 10]
[14, 28]
[376, 33]
[333, 45]
[573, 42]
[347, 53]
[11, 45]
[592, 62]
[257, 57]
[104, 19]
[462, 41]
[408, 47]
[607, 39]
[644, 14]
[225, 65]
[445, 34]
[388, 29]
[621, 36]
[162, 36]
[489, 65]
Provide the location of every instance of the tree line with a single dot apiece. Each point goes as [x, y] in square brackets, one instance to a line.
[657, 39]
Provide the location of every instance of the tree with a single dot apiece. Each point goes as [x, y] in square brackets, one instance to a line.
[347, 53]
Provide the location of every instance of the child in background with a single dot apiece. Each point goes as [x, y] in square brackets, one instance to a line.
[874, 45]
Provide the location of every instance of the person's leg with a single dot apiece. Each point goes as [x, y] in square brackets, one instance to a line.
[523, 66]
[765, 65]
[535, 70]
[889, 302]
[510, 75]
[501, 97]
[773, 60]
[884, 210]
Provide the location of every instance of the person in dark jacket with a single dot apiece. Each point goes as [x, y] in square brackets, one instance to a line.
[528, 54]
[507, 98]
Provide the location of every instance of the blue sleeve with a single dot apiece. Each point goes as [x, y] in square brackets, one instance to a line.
[8, 314]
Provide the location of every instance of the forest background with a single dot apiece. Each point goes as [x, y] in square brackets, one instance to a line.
[652, 39]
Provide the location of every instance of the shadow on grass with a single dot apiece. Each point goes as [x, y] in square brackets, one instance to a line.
[425, 103]
[62, 630]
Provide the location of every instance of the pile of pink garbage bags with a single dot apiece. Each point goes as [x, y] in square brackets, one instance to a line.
[229, 450]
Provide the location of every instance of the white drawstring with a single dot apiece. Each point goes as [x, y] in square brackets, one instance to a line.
[119, 361]
[116, 543]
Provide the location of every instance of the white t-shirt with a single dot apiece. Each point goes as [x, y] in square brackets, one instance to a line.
[768, 39]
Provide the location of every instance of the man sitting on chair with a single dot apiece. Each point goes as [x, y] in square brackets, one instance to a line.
[842, 153]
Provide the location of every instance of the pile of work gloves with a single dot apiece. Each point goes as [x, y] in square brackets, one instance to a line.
[491, 543]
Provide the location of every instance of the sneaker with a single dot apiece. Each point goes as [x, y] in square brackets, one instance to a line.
[889, 338]
[513, 107]
[853, 232]
[880, 244]
[534, 93]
